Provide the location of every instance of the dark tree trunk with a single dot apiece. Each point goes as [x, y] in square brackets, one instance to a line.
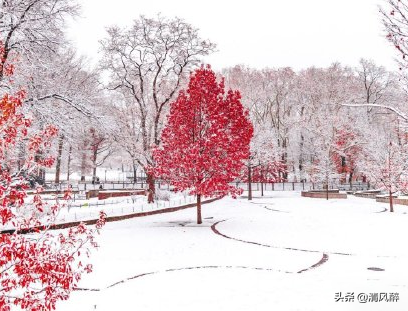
[249, 182]
[94, 158]
[199, 220]
[134, 173]
[151, 189]
[41, 170]
[285, 159]
[351, 179]
[58, 162]
[69, 163]
[83, 166]
[391, 202]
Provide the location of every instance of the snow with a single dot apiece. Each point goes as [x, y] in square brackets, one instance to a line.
[103, 173]
[261, 259]
[81, 209]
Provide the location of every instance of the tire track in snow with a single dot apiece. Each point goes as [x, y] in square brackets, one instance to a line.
[275, 210]
[324, 259]
[179, 269]
[216, 231]
[265, 206]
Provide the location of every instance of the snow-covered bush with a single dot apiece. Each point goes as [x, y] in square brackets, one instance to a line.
[161, 194]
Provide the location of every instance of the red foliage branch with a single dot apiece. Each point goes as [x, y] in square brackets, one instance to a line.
[40, 268]
[346, 152]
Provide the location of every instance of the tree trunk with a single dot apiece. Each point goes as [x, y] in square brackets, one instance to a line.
[69, 162]
[94, 158]
[391, 202]
[351, 180]
[249, 183]
[285, 159]
[134, 173]
[83, 166]
[262, 188]
[41, 170]
[151, 189]
[199, 220]
[58, 162]
[94, 173]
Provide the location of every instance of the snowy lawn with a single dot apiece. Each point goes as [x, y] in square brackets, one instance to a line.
[280, 252]
[82, 210]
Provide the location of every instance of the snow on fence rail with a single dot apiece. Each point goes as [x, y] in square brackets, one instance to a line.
[282, 186]
[84, 186]
[300, 186]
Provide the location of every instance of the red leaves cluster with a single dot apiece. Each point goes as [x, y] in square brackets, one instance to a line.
[206, 138]
[346, 151]
[40, 268]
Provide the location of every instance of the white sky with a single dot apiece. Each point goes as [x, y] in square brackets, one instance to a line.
[257, 33]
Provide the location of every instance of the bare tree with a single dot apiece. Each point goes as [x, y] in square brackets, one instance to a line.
[62, 91]
[147, 64]
[30, 26]
[101, 149]
[395, 20]
[380, 91]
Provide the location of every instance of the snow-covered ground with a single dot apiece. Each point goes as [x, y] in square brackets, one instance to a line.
[81, 210]
[89, 209]
[280, 252]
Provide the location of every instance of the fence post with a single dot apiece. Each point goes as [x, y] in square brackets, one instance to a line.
[293, 186]
[273, 186]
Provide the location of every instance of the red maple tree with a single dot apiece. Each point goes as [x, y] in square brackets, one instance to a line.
[206, 139]
[38, 267]
[346, 153]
